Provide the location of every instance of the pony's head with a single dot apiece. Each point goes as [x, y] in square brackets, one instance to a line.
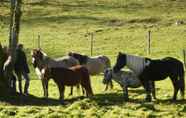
[37, 56]
[120, 62]
[107, 76]
[81, 58]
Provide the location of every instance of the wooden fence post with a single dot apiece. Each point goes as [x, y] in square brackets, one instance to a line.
[149, 42]
[184, 58]
[91, 43]
[39, 42]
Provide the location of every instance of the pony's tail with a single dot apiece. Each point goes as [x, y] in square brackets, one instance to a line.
[182, 81]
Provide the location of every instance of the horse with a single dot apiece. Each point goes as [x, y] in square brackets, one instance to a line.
[67, 77]
[41, 60]
[126, 79]
[154, 70]
[6, 64]
[95, 65]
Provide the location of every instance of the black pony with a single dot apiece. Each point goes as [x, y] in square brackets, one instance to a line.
[154, 70]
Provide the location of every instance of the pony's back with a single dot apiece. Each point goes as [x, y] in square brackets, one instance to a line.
[66, 62]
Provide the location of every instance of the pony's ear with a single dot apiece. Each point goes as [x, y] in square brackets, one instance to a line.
[70, 54]
[39, 49]
[120, 53]
[32, 51]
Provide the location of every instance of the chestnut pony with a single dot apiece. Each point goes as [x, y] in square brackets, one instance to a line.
[41, 60]
[67, 77]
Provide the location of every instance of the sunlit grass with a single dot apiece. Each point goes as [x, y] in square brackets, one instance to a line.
[118, 25]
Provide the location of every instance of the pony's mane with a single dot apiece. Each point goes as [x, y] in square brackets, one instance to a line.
[81, 58]
[44, 54]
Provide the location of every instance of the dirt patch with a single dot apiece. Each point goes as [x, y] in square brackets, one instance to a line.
[115, 22]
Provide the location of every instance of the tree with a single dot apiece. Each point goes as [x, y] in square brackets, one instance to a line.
[8, 65]
[3, 80]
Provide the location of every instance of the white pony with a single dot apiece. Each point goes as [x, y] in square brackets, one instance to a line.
[126, 79]
[95, 64]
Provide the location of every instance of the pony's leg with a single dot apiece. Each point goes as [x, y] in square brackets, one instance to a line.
[182, 88]
[153, 89]
[78, 87]
[61, 92]
[71, 91]
[111, 84]
[175, 83]
[45, 87]
[145, 84]
[182, 83]
[83, 91]
[125, 93]
[106, 88]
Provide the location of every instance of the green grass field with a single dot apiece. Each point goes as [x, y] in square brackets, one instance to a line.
[118, 25]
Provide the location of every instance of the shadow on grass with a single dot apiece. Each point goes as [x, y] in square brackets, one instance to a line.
[169, 101]
[105, 99]
[108, 99]
[21, 100]
[63, 19]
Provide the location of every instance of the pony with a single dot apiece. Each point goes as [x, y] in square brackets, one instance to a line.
[126, 79]
[67, 77]
[41, 60]
[154, 70]
[95, 65]
[6, 64]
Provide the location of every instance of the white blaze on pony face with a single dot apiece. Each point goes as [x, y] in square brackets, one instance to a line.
[33, 60]
[43, 71]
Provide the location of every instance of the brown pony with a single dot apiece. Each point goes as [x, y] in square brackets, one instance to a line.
[67, 77]
[41, 60]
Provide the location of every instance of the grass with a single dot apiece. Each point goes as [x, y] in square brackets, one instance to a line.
[118, 25]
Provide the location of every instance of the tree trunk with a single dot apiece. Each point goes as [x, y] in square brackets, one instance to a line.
[8, 66]
[3, 80]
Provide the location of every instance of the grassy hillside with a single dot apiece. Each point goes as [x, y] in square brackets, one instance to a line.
[118, 25]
